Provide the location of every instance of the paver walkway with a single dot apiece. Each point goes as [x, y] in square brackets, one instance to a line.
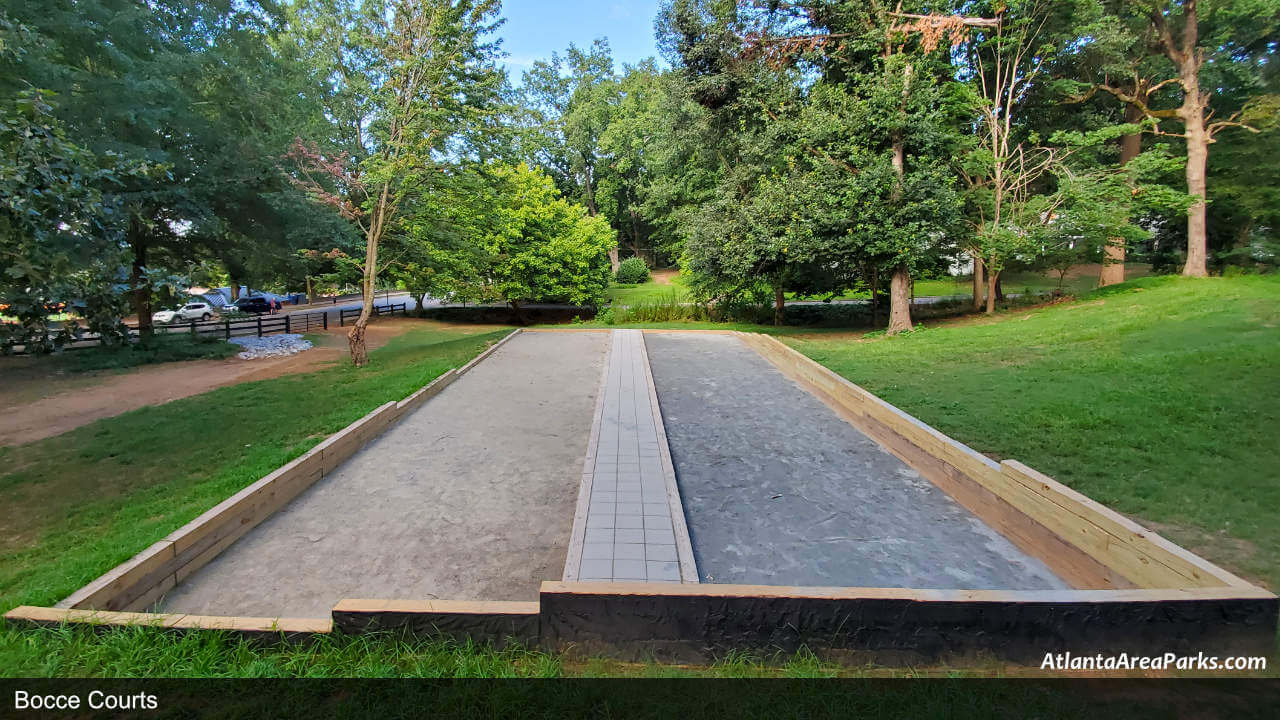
[629, 524]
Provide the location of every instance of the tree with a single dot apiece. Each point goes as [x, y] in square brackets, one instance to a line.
[572, 100]
[55, 228]
[194, 88]
[850, 187]
[407, 77]
[1195, 44]
[1008, 172]
[536, 246]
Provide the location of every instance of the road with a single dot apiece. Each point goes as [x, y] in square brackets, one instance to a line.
[380, 300]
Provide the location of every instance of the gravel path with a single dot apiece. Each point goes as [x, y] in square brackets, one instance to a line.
[779, 490]
[270, 346]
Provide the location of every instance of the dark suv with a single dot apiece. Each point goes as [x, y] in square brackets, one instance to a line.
[254, 305]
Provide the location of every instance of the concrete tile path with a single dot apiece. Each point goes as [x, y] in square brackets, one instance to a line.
[630, 525]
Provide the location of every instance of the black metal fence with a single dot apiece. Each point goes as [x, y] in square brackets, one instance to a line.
[346, 314]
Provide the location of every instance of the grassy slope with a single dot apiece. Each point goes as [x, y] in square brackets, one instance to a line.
[80, 503]
[629, 294]
[1160, 398]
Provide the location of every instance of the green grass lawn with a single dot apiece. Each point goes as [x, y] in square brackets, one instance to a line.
[1159, 398]
[630, 294]
[78, 504]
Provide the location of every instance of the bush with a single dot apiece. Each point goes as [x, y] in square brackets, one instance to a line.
[632, 270]
[669, 308]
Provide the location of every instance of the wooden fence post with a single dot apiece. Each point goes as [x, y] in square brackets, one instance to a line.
[286, 324]
[228, 322]
[259, 326]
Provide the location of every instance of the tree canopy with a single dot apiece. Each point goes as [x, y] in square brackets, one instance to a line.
[775, 150]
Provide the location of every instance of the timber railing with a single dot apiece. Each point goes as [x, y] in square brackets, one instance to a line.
[346, 314]
[225, 328]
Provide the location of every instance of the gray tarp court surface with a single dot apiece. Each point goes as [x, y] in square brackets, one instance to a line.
[779, 490]
[470, 497]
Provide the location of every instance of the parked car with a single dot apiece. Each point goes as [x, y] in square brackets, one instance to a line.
[256, 305]
[186, 313]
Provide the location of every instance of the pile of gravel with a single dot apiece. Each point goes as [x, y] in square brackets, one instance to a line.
[271, 346]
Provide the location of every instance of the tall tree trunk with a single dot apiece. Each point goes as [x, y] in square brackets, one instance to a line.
[900, 281]
[369, 279]
[977, 283]
[1000, 287]
[1113, 255]
[779, 304]
[614, 262]
[140, 288]
[1188, 59]
[875, 296]
[311, 295]
[1197, 167]
[900, 300]
[516, 316]
[992, 278]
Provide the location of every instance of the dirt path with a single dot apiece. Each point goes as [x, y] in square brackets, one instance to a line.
[663, 277]
[30, 412]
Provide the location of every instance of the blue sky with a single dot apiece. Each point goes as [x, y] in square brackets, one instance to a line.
[536, 28]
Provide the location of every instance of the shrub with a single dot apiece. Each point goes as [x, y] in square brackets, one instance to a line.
[669, 308]
[632, 270]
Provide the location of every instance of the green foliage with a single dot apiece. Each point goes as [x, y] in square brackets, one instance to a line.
[58, 236]
[538, 247]
[632, 270]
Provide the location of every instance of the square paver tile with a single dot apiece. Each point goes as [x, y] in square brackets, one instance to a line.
[627, 521]
[601, 521]
[629, 535]
[658, 570]
[596, 569]
[631, 570]
[630, 508]
[629, 551]
[598, 551]
[657, 522]
[662, 553]
[659, 536]
[657, 508]
[599, 535]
